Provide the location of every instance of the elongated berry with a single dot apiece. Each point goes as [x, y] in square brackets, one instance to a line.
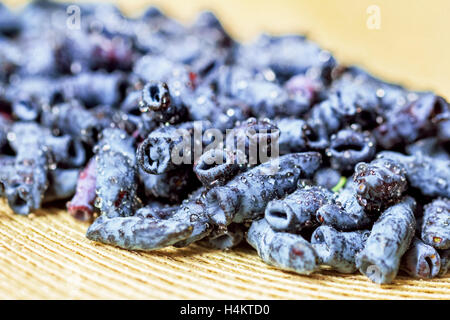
[81, 206]
[137, 233]
[427, 174]
[217, 166]
[28, 182]
[338, 249]
[280, 249]
[297, 210]
[258, 139]
[413, 121]
[421, 260]
[226, 238]
[246, 195]
[116, 178]
[344, 212]
[173, 185]
[436, 224]
[155, 96]
[155, 155]
[193, 211]
[157, 105]
[389, 239]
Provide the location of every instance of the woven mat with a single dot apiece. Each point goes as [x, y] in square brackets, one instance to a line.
[46, 256]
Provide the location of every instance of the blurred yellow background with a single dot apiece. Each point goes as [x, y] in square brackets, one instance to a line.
[412, 45]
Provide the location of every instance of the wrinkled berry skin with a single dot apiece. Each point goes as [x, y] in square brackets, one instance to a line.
[28, 182]
[158, 106]
[81, 206]
[173, 185]
[349, 147]
[160, 68]
[217, 166]
[344, 213]
[194, 211]
[421, 260]
[297, 210]
[155, 96]
[137, 233]
[246, 196]
[338, 249]
[255, 138]
[280, 249]
[429, 175]
[155, 153]
[116, 174]
[445, 262]
[379, 183]
[389, 239]
[297, 135]
[356, 97]
[436, 224]
[224, 239]
[411, 122]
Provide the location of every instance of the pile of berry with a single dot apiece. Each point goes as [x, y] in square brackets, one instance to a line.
[90, 110]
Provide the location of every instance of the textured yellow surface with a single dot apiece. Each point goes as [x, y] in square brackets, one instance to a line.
[47, 256]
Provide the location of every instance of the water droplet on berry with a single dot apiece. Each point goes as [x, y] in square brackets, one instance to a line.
[442, 183]
[361, 167]
[380, 93]
[230, 112]
[98, 202]
[11, 136]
